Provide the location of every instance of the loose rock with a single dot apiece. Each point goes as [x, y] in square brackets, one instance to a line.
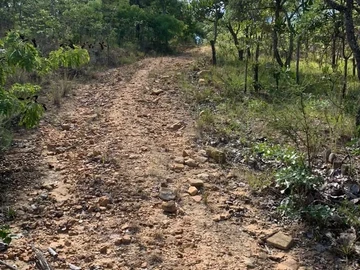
[192, 191]
[157, 91]
[197, 198]
[126, 240]
[74, 267]
[186, 153]
[169, 207]
[280, 240]
[202, 152]
[65, 126]
[203, 176]
[104, 201]
[167, 194]
[201, 159]
[178, 167]
[176, 126]
[179, 160]
[191, 163]
[249, 262]
[231, 174]
[197, 183]
[289, 264]
[103, 249]
[216, 154]
[217, 218]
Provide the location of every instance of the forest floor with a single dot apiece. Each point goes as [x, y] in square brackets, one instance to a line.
[91, 180]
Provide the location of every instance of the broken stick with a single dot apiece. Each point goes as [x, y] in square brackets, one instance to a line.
[8, 265]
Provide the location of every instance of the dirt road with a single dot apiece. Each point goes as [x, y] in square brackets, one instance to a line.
[100, 168]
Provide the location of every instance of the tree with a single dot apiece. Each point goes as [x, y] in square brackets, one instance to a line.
[211, 11]
[348, 9]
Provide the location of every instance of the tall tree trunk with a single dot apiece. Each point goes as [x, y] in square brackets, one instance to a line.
[333, 40]
[275, 33]
[213, 41]
[213, 51]
[236, 41]
[350, 33]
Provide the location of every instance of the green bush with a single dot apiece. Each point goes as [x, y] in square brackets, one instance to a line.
[19, 101]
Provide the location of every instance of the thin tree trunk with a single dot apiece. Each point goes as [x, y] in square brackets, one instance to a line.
[246, 72]
[333, 53]
[247, 38]
[346, 59]
[213, 42]
[256, 83]
[213, 51]
[334, 36]
[353, 66]
[347, 10]
[298, 60]
[236, 42]
[291, 50]
[275, 33]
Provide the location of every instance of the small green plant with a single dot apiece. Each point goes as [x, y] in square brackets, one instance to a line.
[349, 213]
[297, 180]
[346, 251]
[9, 213]
[285, 155]
[5, 234]
[299, 185]
[318, 214]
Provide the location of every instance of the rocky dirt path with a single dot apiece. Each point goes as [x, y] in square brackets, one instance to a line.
[99, 175]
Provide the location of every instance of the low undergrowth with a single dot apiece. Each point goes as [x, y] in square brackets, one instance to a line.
[281, 132]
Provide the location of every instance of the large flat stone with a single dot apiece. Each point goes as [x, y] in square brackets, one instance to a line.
[196, 183]
[289, 264]
[280, 240]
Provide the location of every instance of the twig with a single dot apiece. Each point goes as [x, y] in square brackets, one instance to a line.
[52, 252]
[41, 263]
[8, 265]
